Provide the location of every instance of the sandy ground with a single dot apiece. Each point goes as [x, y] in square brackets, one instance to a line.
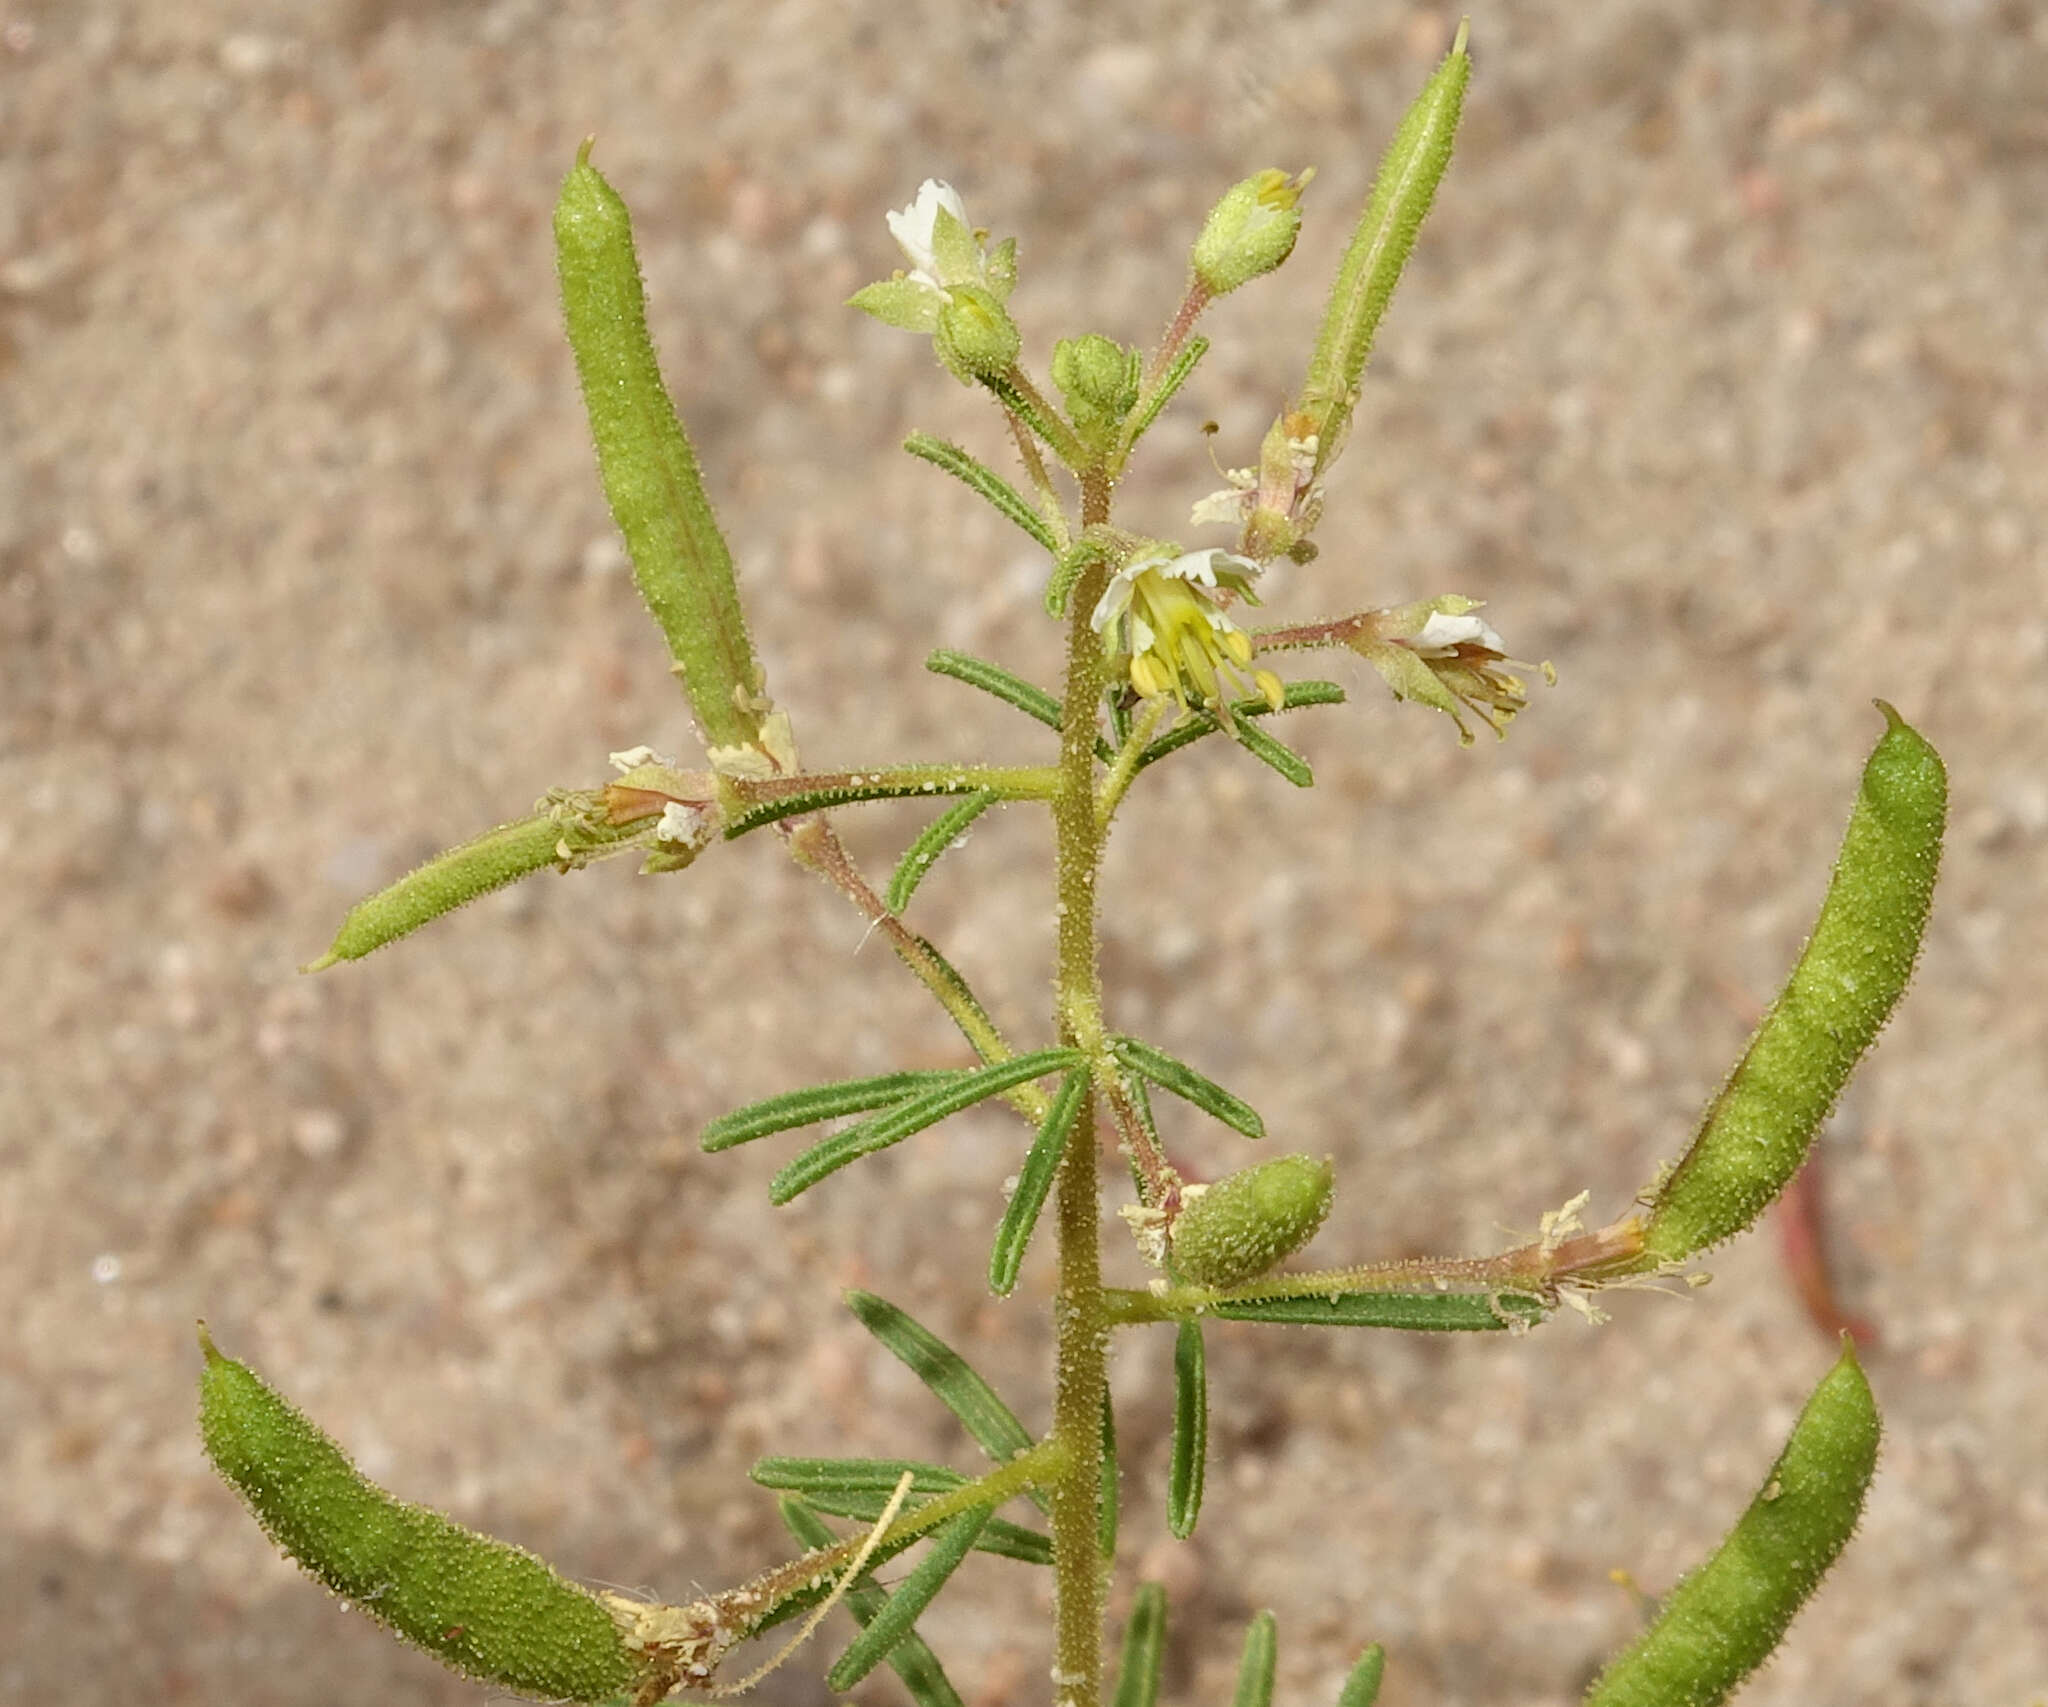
[1722, 374]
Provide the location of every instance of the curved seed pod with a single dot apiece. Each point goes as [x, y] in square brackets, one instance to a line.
[570, 831]
[650, 473]
[485, 1607]
[1721, 1623]
[1236, 1229]
[1855, 966]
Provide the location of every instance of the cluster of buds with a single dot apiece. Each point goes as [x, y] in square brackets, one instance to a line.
[955, 289]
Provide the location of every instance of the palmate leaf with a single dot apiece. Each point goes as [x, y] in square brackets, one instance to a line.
[910, 1659]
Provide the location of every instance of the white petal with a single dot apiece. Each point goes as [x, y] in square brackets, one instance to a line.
[1442, 632]
[1115, 600]
[912, 228]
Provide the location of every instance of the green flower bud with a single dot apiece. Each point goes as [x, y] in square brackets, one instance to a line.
[1250, 231]
[482, 1606]
[975, 337]
[1238, 1228]
[1100, 380]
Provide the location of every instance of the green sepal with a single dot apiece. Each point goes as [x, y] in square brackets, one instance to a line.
[1190, 1432]
[1362, 1685]
[1721, 1622]
[1137, 1675]
[1255, 1669]
[1409, 173]
[937, 836]
[650, 473]
[1034, 1181]
[950, 1545]
[1276, 755]
[1758, 1129]
[913, 1115]
[819, 1102]
[980, 478]
[902, 303]
[1170, 1073]
[910, 1659]
[951, 1378]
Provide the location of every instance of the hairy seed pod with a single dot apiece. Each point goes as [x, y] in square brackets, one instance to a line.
[1855, 966]
[1238, 1228]
[485, 1607]
[650, 473]
[1720, 1623]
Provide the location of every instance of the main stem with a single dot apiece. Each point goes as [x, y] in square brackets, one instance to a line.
[1081, 1323]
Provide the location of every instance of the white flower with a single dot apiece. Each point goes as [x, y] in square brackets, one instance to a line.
[1443, 631]
[1167, 617]
[915, 228]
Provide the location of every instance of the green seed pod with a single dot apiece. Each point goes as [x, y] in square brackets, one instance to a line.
[1409, 173]
[1855, 966]
[651, 480]
[1238, 1228]
[1721, 1623]
[568, 833]
[484, 1607]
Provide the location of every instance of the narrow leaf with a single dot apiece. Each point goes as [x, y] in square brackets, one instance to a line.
[927, 1108]
[939, 835]
[900, 1612]
[1012, 690]
[1362, 1687]
[1162, 394]
[1190, 1432]
[1170, 1073]
[984, 480]
[1401, 195]
[1073, 563]
[1203, 723]
[814, 1476]
[1000, 1537]
[1721, 1623]
[760, 801]
[910, 1659]
[1421, 1312]
[1137, 1678]
[1105, 1530]
[963, 1392]
[1255, 1670]
[818, 1102]
[1277, 755]
[1035, 1181]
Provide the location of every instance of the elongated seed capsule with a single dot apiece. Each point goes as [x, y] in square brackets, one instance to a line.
[1855, 966]
[473, 868]
[484, 1607]
[650, 473]
[1721, 1623]
[1409, 173]
[1242, 1225]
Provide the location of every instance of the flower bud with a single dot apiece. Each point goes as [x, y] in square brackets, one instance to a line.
[1238, 1228]
[1100, 380]
[975, 336]
[1250, 231]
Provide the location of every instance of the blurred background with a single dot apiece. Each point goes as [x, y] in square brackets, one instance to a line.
[1721, 373]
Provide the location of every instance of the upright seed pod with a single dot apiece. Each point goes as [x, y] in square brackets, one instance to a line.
[1855, 966]
[650, 473]
[485, 1607]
